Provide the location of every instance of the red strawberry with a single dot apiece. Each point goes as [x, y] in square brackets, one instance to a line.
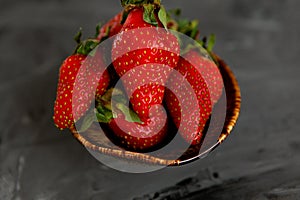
[126, 127]
[206, 82]
[146, 55]
[64, 116]
[111, 28]
[140, 137]
[210, 73]
[87, 76]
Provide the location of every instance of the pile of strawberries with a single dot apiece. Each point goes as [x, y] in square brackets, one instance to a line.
[146, 58]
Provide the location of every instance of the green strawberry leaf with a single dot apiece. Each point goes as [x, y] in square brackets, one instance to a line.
[194, 29]
[98, 28]
[149, 14]
[208, 44]
[78, 36]
[162, 15]
[130, 116]
[88, 120]
[115, 98]
[103, 114]
[139, 2]
[189, 28]
[101, 118]
[118, 95]
[128, 2]
[100, 114]
[87, 46]
[175, 12]
[211, 42]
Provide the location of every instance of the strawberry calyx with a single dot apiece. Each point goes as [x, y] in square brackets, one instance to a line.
[208, 43]
[86, 46]
[109, 106]
[114, 100]
[134, 3]
[190, 28]
[154, 13]
[204, 46]
[185, 26]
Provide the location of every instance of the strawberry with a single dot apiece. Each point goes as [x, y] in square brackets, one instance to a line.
[140, 136]
[210, 73]
[127, 130]
[73, 102]
[208, 69]
[145, 54]
[63, 112]
[206, 82]
[111, 28]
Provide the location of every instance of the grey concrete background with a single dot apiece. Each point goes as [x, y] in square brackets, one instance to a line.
[259, 39]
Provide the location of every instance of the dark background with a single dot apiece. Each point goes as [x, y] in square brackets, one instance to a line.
[259, 39]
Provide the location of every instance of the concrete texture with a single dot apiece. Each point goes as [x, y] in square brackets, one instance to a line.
[259, 39]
